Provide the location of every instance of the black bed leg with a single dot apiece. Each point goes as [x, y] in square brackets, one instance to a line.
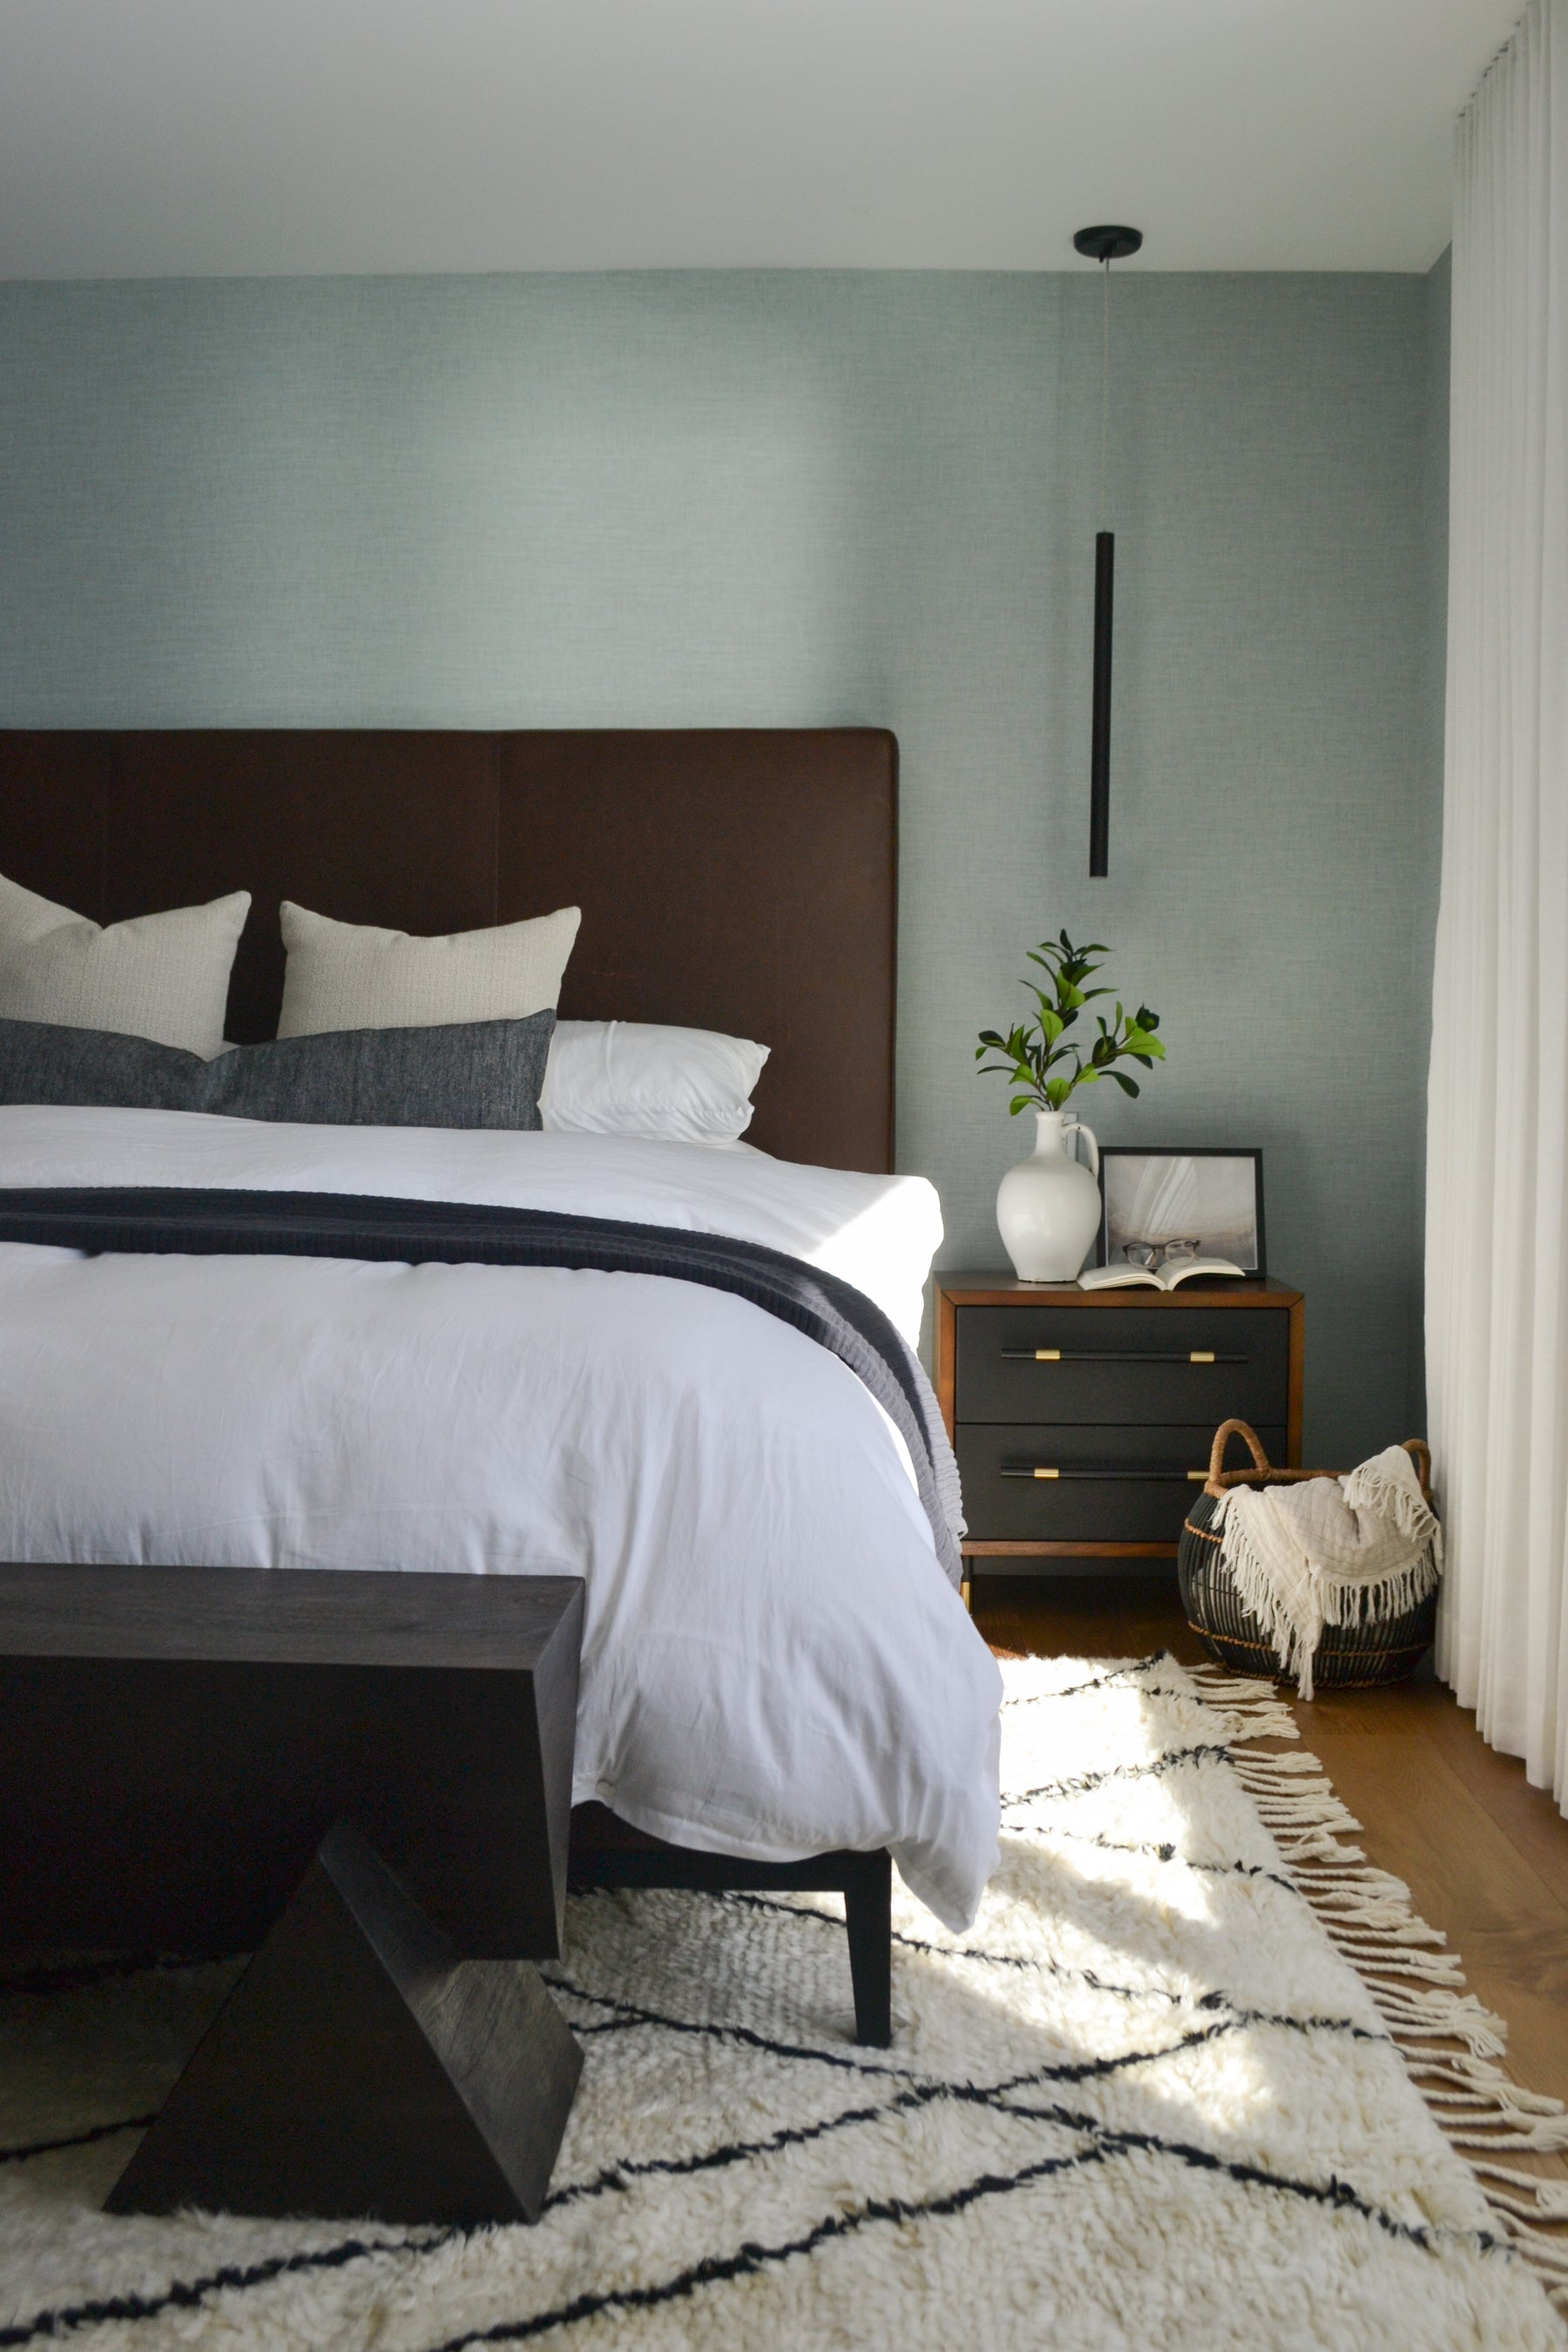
[869, 1916]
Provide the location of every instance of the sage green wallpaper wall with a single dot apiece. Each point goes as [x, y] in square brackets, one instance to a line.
[801, 498]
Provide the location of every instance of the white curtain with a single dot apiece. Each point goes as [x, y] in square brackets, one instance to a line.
[1497, 1187]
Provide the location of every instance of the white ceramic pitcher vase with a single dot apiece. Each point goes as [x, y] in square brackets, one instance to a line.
[1048, 1207]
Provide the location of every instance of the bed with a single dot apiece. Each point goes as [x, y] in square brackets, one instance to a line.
[754, 1546]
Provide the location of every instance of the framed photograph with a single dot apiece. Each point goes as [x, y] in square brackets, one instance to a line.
[1203, 1203]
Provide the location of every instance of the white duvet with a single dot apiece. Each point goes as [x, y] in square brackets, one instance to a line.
[774, 1662]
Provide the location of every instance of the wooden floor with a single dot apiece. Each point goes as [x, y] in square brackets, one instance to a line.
[1484, 1855]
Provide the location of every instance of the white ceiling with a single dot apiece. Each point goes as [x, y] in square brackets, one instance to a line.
[175, 137]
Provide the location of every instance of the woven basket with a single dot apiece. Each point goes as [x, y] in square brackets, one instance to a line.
[1349, 1657]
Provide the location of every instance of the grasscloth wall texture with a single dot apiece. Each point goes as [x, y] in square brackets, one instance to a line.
[802, 498]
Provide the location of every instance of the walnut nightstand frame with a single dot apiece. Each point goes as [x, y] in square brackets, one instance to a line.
[1082, 1419]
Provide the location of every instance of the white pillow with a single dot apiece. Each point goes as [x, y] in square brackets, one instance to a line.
[634, 1078]
[352, 976]
[159, 976]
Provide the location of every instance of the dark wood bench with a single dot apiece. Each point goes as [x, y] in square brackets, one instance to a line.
[364, 1778]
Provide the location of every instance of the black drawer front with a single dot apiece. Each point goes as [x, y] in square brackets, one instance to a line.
[1113, 1486]
[1123, 1364]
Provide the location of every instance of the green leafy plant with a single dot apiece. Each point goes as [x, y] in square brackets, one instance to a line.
[1044, 1063]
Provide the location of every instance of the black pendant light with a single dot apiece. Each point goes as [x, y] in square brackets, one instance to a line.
[1104, 245]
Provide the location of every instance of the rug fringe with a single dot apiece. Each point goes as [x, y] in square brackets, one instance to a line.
[1416, 1983]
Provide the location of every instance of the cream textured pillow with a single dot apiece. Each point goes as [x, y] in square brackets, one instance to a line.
[159, 976]
[352, 976]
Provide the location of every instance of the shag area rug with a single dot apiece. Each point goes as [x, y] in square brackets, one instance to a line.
[1164, 2093]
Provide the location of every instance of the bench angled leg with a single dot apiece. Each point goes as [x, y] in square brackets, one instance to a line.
[359, 2067]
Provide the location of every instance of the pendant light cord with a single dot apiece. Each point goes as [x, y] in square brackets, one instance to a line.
[1105, 399]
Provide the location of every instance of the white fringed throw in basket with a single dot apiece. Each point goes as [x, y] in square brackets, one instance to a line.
[1331, 1551]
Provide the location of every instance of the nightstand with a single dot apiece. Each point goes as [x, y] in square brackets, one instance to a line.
[1082, 1419]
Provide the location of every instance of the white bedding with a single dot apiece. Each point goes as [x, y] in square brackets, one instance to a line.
[774, 1662]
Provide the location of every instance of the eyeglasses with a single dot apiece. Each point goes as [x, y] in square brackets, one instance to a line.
[1153, 1255]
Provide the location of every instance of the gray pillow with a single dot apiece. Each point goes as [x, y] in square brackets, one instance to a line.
[462, 1074]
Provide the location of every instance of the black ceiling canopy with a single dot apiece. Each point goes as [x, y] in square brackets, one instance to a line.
[1107, 244]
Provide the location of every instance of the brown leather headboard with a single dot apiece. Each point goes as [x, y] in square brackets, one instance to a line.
[737, 881]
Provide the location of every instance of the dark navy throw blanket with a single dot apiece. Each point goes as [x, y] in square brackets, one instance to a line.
[180, 1221]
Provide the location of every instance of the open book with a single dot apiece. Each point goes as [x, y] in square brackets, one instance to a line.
[1120, 1278]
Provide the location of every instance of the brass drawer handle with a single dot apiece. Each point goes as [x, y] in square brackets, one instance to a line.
[1032, 1470]
[1117, 1356]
